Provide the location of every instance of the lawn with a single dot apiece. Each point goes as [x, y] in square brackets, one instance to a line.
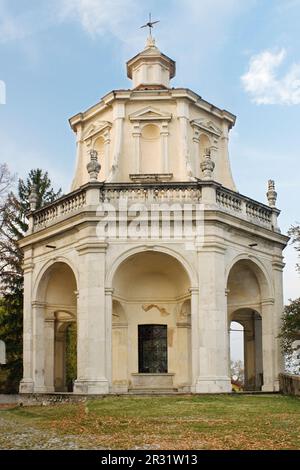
[174, 422]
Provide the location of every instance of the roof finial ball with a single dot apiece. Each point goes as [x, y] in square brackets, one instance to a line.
[207, 166]
[271, 194]
[93, 167]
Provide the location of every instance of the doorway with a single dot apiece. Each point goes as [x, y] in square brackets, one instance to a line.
[153, 349]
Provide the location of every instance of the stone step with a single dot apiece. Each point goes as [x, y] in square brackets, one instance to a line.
[145, 391]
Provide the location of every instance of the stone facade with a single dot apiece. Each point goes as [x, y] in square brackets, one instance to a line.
[103, 257]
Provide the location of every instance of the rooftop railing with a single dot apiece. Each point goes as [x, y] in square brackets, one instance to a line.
[88, 197]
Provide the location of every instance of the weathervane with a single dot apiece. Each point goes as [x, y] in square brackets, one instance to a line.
[150, 24]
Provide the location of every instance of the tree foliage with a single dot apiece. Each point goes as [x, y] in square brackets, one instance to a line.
[294, 233]
[290, 334]
[237, 371]
[14, 224]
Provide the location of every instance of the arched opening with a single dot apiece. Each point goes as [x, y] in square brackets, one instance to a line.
[99, 146]
[151, 324]
[150, 150]
[57, 327]
[237, 364]
[246, 286]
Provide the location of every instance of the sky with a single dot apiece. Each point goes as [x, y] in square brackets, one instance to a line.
[59, 57]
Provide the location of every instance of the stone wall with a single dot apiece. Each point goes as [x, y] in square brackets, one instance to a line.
[289, 384]
[6, 399]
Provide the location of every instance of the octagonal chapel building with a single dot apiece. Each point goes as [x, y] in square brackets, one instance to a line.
[153, 253]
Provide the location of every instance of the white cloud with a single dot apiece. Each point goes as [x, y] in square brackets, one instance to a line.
[265, 86]
[98, 16]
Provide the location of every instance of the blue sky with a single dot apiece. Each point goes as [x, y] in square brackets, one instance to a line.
[58, 57]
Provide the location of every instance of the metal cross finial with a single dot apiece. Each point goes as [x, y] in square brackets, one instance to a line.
[150, 24]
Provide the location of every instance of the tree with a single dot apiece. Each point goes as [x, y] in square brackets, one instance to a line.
[294, 233]
[290, 335]
[237, 371]
[14, 226]
[290, 329]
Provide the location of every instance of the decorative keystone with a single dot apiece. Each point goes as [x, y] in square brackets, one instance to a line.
[207, 166]
[271, 194]
[93, 167]
[33, 197]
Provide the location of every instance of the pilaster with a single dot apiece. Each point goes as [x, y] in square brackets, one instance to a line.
[92, 328]
[27, 383]
[213, 335]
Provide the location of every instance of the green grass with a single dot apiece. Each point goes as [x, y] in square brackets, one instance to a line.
[182, 422]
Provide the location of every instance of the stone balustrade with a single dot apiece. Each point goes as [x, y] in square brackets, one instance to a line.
[154, 193]
[244, 207]
[63, 207]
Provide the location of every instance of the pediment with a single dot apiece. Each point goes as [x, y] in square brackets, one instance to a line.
[207, 126]
[95, 128]
[150, 114]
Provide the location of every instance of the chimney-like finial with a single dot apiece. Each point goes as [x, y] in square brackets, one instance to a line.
[33, 197]
[93, 167]
[271, 193]
[207, 166]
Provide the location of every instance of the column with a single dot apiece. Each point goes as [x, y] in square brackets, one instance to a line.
[213, 325]
[224, 163]
[49, 351]
[137, 146]
[60, 359]
[183, 375]
[196, 153]
[164, 132]
[108, 314]
[92, 354]
[38, 347]
[194, 337]
[106, 137]
[80, 172]
[258, 352]
[278, 266]
[268, 344]
[118, 118]
[249, 354]
[26, 384]
[184, 122]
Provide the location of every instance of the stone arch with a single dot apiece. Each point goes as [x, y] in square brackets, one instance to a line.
[248, 289]
[190, 270]
[45, 268]
[150, 149]
[55, 309]
[260, 270]
[251, 321]
[150, 287]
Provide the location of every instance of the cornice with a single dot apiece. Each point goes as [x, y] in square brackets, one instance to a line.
[91, 247]
[168, 94]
